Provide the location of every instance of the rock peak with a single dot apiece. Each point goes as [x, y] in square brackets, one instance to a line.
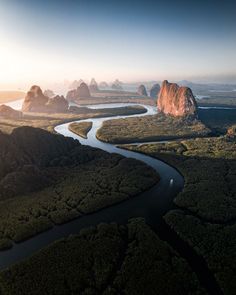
[37, 101]
[142, 90]
[93, 85]
[80, 92]
[155, 91]
[176, 101]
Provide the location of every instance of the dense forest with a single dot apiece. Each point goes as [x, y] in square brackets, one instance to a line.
[206, 208]
[150, 128]
[47, 179]
[108, 259]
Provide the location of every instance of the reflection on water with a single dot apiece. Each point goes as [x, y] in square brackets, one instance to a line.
[111, 105]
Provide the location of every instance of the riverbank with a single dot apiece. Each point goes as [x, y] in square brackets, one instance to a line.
[81, 129]
[57, 180]
[206, 213]
[49, 121]
[150, 128]
[141, 203]
[152, 206]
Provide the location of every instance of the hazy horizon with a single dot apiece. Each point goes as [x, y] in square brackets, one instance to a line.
[46, 43]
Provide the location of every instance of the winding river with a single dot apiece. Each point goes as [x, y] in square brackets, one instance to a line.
[151, 204]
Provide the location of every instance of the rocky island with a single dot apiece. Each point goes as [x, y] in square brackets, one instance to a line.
[117, 85]
[142, 90]
[93, 87]
[177, 118]
[36, 101]
[81, 92]
[176, 101]
[155, 91]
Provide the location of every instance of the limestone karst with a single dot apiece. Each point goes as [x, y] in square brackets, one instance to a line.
[93, 86]
[36, 101]
[81, 91]
[176, 101]
[75, 84]
[103, 84]
[48, 93]
[58, 104]
[142, 90]
[117, 85]
[154, 91]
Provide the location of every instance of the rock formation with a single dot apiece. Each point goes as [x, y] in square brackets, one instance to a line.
[9, 113]
[36, 101]
[176, 101]
[75, 84]
[49, 93]
[103, 85]
[142, 90]
[57, 104]
[117, 85]
[155, 91]
[81, 91]
[71, 95]
[93, 87]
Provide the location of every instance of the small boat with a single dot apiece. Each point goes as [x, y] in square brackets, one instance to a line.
[171, 181]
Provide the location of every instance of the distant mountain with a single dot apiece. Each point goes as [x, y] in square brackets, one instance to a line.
[206, 88]
[154, 91]
[117, 85]
[36, 101]
[93, 86]
[75, 84]
[142, 90]
[49, 93]
[81, 91]
[103, 84]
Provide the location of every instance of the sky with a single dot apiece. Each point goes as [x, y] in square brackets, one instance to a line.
[49, 41]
